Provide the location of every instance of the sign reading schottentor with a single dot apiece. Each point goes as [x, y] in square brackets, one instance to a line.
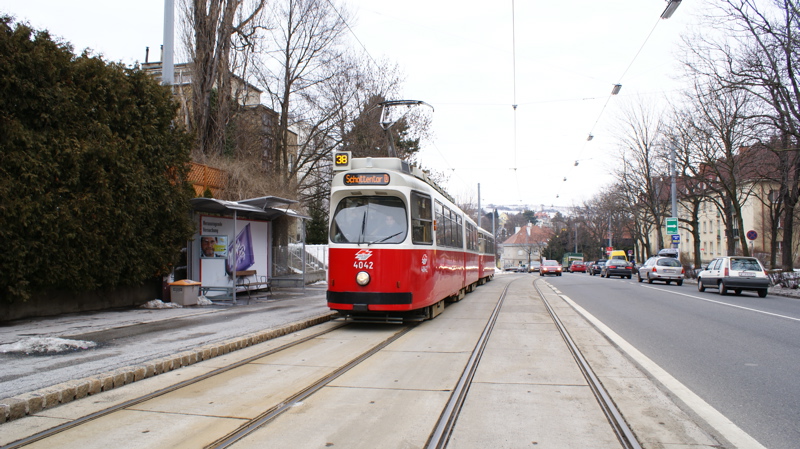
[366, 179]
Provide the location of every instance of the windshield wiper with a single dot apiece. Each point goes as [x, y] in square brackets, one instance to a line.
[385, 238]
[363, 228]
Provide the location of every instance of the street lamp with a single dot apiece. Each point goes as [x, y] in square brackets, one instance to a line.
[671, 7]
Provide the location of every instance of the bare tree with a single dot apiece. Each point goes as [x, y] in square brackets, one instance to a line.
[761, 58]
[721, 122]
[218, 28]
[693, 187]
[306, 39]
[643, 170]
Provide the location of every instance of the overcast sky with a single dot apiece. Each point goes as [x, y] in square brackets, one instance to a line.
[460, 57]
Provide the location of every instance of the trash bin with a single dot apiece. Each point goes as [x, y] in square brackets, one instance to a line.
[185, 292]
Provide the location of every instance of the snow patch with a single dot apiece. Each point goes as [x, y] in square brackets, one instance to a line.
[159, 304]
[41, 345]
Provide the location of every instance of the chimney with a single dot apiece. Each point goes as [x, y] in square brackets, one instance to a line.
[146, 54]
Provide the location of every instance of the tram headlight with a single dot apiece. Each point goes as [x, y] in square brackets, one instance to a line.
[362, 278]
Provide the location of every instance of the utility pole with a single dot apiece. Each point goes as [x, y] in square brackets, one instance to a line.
[168, 63]
[674, 193]
[480, 212]
[576, 238]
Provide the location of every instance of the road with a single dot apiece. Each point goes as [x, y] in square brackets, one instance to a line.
[738, 353]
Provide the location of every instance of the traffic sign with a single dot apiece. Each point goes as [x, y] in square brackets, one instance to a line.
[672, 226]
[676, 237]
[752, 235]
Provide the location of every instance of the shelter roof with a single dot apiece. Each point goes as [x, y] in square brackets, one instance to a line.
[263, 208]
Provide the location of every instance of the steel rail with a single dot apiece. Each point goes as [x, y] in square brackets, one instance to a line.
[624, 433]
[259, 421]
[447, 420]
[82, 420]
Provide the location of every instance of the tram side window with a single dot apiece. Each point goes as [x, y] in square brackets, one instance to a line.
[445, 235]
[459, 230]
[471, 237]
[448, 228]
[421, 219]
[439, 210]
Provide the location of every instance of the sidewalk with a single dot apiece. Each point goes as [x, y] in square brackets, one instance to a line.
[135, 343]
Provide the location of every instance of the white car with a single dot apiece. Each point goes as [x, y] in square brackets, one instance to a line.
[666, 269]
[734, 273]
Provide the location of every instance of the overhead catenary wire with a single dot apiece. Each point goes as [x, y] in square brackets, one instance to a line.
[377, 66]
[615, 91]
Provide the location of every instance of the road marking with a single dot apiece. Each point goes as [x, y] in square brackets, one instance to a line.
[723, 303]
[730, 431]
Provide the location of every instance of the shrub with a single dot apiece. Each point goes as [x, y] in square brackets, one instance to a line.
[92, 171]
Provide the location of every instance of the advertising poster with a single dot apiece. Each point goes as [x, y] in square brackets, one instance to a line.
[213, 246]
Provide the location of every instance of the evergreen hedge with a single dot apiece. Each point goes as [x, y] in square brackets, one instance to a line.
[92, 172]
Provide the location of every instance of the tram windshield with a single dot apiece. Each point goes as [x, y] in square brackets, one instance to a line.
[370, 219]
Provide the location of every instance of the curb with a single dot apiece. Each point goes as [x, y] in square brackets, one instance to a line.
[33, 402]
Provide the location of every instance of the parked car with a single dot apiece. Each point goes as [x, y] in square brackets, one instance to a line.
[661, 268]
[550, 267]
[577, 266]
[734, 273]
[617, 267]
[596, 267]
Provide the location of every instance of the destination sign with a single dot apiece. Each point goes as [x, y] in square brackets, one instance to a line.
[366, 179]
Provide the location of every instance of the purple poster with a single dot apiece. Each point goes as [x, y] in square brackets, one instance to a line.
[242, 256]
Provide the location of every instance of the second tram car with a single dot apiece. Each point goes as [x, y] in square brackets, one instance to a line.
[398, 245]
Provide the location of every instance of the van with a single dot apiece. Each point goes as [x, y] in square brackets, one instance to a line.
[618, 254]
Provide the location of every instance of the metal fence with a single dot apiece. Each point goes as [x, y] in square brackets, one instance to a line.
[300, 263]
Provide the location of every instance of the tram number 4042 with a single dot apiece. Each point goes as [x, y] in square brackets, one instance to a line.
[362, 265]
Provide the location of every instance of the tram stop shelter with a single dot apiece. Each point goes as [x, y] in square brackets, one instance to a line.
[239, 246]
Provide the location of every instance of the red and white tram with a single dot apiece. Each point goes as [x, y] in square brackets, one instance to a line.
[398, 245]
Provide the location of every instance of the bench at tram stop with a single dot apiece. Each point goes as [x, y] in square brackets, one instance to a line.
[250, 280]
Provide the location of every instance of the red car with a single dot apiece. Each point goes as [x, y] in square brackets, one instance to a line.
[577, 266]
[550, 267]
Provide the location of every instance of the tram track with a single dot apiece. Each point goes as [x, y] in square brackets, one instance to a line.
[271, 414]
[249, 426]
[425, 378]
[444, 427]
[623, 432]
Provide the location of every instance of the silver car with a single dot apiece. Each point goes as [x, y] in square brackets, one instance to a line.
[734, 273]
[665, 269]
